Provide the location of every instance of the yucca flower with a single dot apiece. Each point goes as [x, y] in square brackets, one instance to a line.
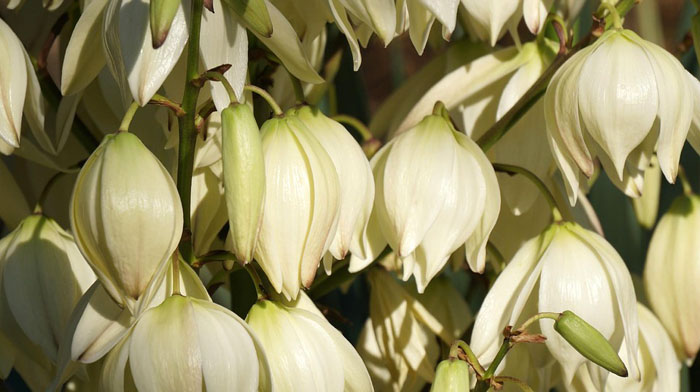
[670, 274]
[619, 100]
[19, 93]
[452, 375]
[489, 20]
[435, 191]
[355, 180]
[40, 261]
[309, 353]
[302, 202]
[187, 344]
[126, 216]
[564, 268]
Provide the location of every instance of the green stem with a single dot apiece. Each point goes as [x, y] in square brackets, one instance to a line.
[538, 316]
[687, 188]
[259, 286]
[505, 346]
[188, 130]
[267, 97]
[298, 89]
[471, 358]
[359, 126]
[128, 116]
[219, 77]
[512, 169]
[38, 209]
[613, 13]
[176, 274]
[160, 100]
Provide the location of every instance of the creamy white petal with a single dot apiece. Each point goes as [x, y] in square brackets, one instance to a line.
[170, 359]
[379, 15]
[618, 97]
[356, 185]
[84, 57]
[144, 68]
[224, 41]
[476, 244]
[13, 85]
[675, 108]
[491, 19]
[414, 179]
[284, 43]
[498, 307]
[535, 13]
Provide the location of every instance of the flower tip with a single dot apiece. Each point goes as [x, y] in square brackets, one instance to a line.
[159, 39]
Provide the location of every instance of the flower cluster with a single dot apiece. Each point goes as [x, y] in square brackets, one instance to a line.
[205, 220]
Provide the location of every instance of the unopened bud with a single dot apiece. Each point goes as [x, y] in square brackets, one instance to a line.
[162, 13]
[244, 177]
[589, 342]
[452, 375]
[255, 15]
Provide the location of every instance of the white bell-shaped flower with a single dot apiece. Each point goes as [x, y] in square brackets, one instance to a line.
[618, 100]
[435, 191]
[302, 203]
[356, 181]
[44, 276]
[307, 353]
[564, 268]
[126, 216]
[187, 344]
[671, 271]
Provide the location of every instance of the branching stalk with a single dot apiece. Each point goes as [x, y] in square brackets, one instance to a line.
[128, 116]
[267, 97]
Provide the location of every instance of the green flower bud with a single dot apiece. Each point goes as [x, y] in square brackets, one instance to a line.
[452, 375]
[255, 15]
[162, 13]
[589, 342]
[244, 177]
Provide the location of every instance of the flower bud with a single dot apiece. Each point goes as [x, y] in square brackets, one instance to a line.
[187, 344]
[619, 100]
[302, 200]
[126, 216]
[589, 342]
[244, 178]
[356, 182]
[162, 13]
[44, 277]
[452, 375]
[309, 354]
[255, 15]
[671, 274]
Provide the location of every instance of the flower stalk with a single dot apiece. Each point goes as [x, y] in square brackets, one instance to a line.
[267, 97]
[188, 130]
[512, 170]
[128, 117]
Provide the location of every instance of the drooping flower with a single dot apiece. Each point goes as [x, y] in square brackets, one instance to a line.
[564, 268]
[302, 201]
[126, 216]
[19, 93]
[309, 354]
[435, 191]
[481, 92]
[618, 100]
[44, 276]
[356, 182]
[187, 344]
[670, 272]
